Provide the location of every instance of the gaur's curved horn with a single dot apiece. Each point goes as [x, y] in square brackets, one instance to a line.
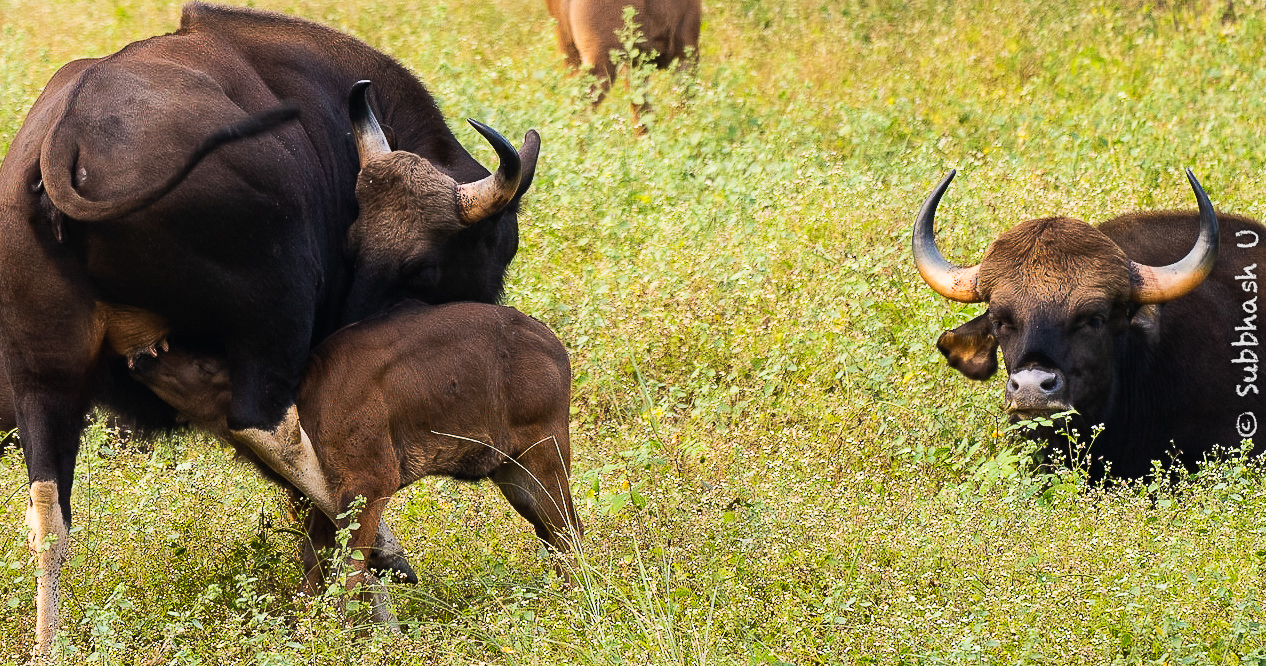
[952, 282]
[1157, 284]
[370, 140]
[482, 198]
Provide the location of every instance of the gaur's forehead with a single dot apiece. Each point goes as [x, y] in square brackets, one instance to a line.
[1055, 260]
[400, 174]
[397, 163]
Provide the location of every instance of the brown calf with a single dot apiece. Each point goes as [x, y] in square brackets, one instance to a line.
[466, 390]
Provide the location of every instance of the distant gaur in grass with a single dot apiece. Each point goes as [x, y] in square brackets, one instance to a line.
[1146, 324]
[467, 390]
[586, 31]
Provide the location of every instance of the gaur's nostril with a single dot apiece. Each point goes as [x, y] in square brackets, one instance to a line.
[1034, 385]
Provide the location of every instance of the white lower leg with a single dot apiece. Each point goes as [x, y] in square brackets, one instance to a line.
[382, 611]
[379, 601]
[49, 541]
[288, 451]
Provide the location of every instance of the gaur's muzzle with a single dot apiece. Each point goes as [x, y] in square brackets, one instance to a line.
[1035, 392]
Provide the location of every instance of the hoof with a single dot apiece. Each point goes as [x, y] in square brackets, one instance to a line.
[393, 567]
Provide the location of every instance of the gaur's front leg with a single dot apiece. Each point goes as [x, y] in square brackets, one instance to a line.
[50, 399]
[200, 388]
[386, 557]
[361, 578]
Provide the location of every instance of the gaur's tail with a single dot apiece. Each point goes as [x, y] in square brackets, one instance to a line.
[56, 165]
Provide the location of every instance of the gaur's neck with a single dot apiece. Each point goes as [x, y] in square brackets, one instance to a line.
[1135, 416]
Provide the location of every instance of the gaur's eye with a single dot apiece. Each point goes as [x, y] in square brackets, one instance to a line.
[423, 275]
[1093, 322]
[1003, 324]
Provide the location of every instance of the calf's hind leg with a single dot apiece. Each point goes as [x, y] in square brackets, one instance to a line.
[537, 486]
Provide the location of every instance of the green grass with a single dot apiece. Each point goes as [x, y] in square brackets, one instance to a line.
[773, 463]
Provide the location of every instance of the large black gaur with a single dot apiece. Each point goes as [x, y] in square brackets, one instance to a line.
[1145, 324]
[467, 390]
[166, 194]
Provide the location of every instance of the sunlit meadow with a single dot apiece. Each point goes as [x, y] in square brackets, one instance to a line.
[773, 464]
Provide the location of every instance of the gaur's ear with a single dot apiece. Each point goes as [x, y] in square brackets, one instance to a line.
[1146, 323]
[528, 153]
[971, 348]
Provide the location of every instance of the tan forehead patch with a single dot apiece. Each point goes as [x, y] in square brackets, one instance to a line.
[1055, 259]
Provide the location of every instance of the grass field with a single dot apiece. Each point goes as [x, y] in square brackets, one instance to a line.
[773, 464]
